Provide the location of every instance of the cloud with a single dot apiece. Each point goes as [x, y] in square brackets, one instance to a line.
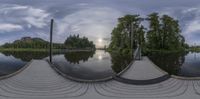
[189, 21]
[17, 21]
[10, 27]
[26, 16]
[37, 17]
[92, 18]
[193, 26]
[95, 22]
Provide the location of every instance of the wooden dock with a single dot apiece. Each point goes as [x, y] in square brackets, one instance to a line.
[40, 81]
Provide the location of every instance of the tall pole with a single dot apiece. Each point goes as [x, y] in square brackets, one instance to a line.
[132, 38]
[51, 45]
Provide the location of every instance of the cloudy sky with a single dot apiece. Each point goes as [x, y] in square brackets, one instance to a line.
[92, 18]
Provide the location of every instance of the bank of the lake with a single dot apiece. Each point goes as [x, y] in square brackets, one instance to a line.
[181, 63]
[194, 49]
[41, 50]
[23, 49]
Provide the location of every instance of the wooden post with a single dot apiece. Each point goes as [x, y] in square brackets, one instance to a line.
[51, 45]
[132, 39]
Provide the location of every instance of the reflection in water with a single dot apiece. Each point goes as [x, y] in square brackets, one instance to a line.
[100, 57]
[191, 66]
[182, 63]
[26, 55]
[9, 64]
[76, 57]
[120, 61]
[11, 61]
[90, 65]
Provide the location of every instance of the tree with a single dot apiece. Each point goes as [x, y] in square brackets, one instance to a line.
[128, 33]
[75, 42]
[153, 34]
[31, 43]
[164, 33]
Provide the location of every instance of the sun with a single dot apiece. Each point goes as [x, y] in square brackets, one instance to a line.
[100, 57]
[100, 40]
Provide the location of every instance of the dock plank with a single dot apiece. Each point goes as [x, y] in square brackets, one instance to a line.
[40, 81]
[143, 70]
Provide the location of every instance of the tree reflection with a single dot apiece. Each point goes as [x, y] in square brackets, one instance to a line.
[120, 61]
[26, 55]
[170, 62]
[76, 57]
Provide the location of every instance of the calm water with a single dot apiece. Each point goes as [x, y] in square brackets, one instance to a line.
[10, 62]
[91, 65]
[101, 64]
[181, 64]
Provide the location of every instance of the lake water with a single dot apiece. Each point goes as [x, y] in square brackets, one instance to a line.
[182, 64]
[100, 64]
[11, 62]
[83, 65]
[91, 65]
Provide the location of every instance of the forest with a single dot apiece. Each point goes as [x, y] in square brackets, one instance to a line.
[72, 42]
[77, 42]
[153, 33]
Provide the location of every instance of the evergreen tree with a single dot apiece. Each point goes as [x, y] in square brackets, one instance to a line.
[164, 33]
[154, 32]
[128, 33]
[75, 41]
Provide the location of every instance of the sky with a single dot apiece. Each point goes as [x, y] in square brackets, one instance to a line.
[94, 19]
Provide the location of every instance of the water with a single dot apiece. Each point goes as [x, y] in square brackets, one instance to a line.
[91, 65]
[101, 64]
[185, 64]
[83, 65]
[11, 62]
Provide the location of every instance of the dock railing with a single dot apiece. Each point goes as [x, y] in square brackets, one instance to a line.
[137, 53]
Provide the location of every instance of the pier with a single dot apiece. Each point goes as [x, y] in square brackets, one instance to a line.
[38, 80]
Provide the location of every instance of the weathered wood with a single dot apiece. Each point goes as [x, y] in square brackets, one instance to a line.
[40, 81]
[51, 38]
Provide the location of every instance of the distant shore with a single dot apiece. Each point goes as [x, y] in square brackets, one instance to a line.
[43, 50]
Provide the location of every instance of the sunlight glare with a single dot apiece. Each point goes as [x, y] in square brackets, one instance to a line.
[100, 57]
[100, 40]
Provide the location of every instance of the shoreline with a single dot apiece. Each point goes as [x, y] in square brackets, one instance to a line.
[45, 50]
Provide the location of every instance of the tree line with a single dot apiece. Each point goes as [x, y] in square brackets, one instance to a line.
[161, 33]
[76, 42]
[72, 42]
[28, 43]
